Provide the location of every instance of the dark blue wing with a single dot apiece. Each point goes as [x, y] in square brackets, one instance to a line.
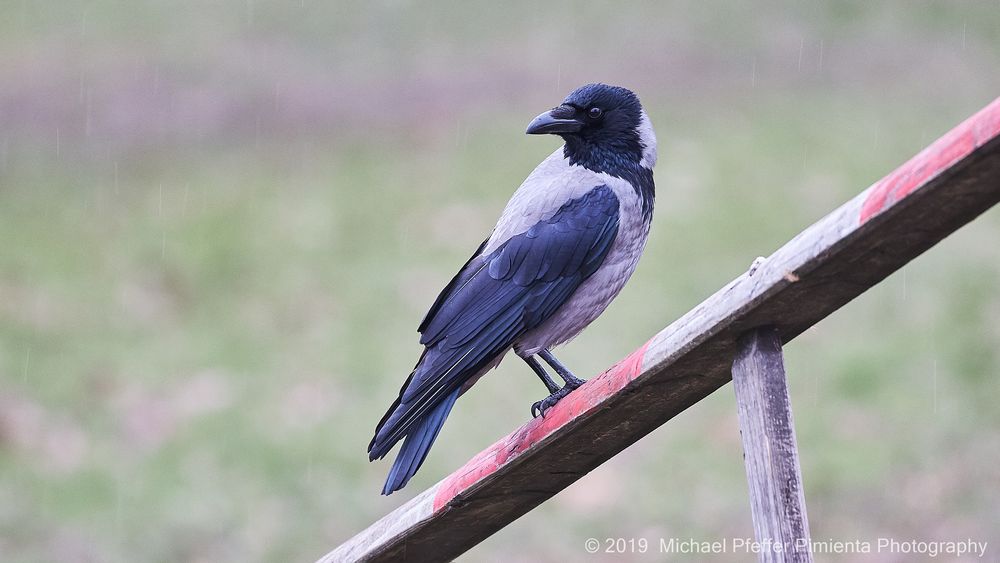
[498, 297]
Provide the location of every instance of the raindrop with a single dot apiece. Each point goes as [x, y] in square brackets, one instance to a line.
[119, 523]
[802, 46]
[87, 113]
[58, 143]
[116, 177]
[965, 27]
[820, 65]
[99, 198]
[83, 21]
[935, 387]
[27, 363]
[753, 73]
[815, 387]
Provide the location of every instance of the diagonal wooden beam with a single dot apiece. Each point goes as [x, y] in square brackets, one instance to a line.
[830, 263]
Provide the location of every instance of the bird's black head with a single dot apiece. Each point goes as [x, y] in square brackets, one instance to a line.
[602, 126]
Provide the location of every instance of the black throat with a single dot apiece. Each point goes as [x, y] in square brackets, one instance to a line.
[620, 160]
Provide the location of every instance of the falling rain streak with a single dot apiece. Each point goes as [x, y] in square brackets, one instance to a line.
[935, 386]
[27, 363]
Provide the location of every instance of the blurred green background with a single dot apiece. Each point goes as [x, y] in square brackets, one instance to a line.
[221, 222]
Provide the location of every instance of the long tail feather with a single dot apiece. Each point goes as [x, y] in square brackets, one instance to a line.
[418, 442]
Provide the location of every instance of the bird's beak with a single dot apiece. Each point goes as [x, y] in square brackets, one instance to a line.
[557, 120]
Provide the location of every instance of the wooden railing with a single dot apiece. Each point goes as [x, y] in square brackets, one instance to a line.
[853, 248]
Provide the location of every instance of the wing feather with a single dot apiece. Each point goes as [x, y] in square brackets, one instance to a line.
[497, 297]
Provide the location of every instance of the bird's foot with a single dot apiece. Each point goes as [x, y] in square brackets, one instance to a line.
[539, 408]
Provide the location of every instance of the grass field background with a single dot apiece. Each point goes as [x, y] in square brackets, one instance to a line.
[220, 224]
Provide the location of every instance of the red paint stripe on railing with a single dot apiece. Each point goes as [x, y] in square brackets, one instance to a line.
[955, 145]
[573, 405]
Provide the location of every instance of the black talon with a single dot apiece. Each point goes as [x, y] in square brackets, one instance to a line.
[539, 407]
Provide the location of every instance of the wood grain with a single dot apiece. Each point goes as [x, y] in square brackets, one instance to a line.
[777, 502]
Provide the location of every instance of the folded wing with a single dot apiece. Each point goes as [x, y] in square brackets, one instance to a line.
[497, 297]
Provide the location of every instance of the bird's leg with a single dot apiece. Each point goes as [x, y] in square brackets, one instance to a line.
[572, 382]
[540, 371]
[555, 393]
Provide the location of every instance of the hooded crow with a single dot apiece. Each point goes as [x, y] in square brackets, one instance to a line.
[565, 245]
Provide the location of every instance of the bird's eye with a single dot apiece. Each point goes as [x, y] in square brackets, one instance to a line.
[595, 112]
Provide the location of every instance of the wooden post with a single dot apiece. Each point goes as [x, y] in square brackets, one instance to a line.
[769, 450]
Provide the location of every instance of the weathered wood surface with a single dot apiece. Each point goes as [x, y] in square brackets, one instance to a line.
[777, 501]
[830, 263]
